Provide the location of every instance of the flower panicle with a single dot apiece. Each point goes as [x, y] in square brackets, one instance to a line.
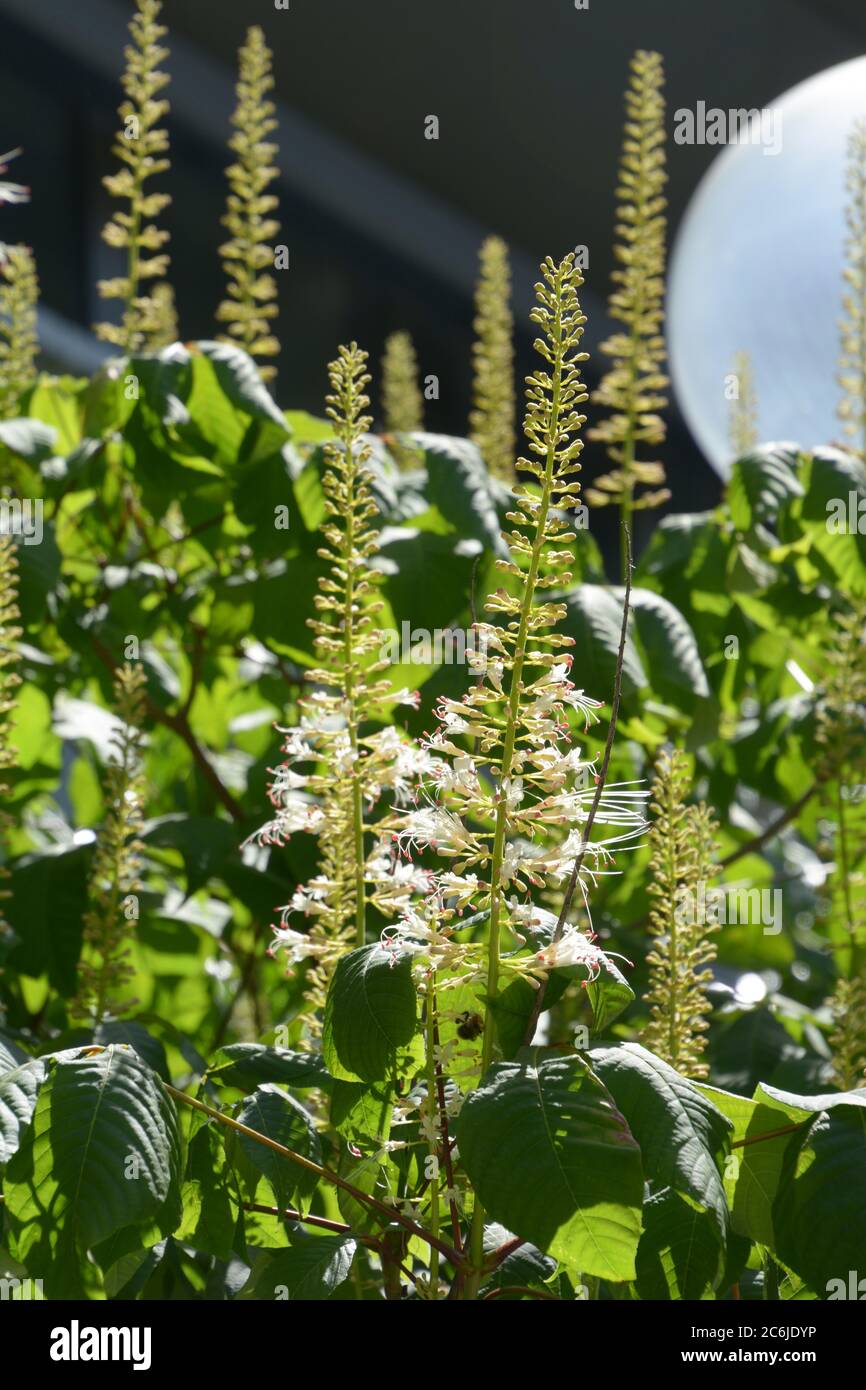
[141, 147]
[341, 759]
[19, 336]
[848, 1034]
[115, 876]
[682, 840]
[840, 733]
[492, 422]
[743, 423]
[840, 726]
[10, 637]
[402, 401]
[851, 374]
[250, 306]
[633, 389]
[506, 765]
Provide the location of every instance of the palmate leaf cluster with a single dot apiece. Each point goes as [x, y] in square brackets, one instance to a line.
[374, 1121]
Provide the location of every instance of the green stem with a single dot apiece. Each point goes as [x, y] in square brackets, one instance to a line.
[434, 1142]
[134, 253]
[674, 1021]
[352, 713]
[626, 508]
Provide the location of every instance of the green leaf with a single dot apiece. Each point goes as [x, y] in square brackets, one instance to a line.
[682, 1135]
[204, 843]
[679, 1252]
[227, 394]
[208, 1214]
[308, 429]
[149, 1049]
[57, 402]
[362, 1112]
[408, 557]
[594, 620]
[761, 483]
[459, 485]
[608, 996]
[524, 1266]
[32, 440]
[819, 1212]
[552, 1158]
[369, 1014]
[19, 1088]
[801, 1107]
[309, 1271]
[755, 1165]
[165, 381]
[102, 1152]
[687, 559]
[278, 1116]
[669, 646]
[39, 570]
[11, 1055]
[829, 475]
[239, 378]
[513, 1007]
[127, 1275]
[247, 1065]
[47, 892]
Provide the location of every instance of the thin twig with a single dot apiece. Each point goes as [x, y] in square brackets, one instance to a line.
[445, 1145]
[502, 1252]
[596, 800]
[287, 1214]
[769, 1134]
[179, 724]
[772, 830]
